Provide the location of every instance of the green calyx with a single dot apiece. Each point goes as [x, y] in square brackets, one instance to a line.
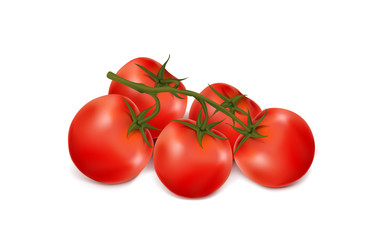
[140, 122]
[159, 78]
[201, 132]
[202, 127]
[229, 103]
[248, 133]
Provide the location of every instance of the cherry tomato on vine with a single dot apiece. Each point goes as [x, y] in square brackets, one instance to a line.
[98, 141]
[283, 156]
[186, 168]
[229, 92]
[171, 106]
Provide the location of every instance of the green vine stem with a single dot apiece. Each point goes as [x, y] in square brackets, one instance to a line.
[156, 111]
[142, 88]
[205, 109]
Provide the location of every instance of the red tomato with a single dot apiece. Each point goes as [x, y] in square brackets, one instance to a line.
[171, 106]
[283, 156]
[98, 142]
[229, 91]
[184, 167]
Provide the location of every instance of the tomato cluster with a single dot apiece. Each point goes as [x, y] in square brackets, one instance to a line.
[111, 138]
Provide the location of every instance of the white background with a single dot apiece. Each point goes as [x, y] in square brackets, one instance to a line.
[311, 57]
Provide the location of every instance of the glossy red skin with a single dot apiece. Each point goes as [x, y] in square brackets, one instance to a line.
[229, 91]
[98, 142]
[283, 156]
[184, 167]
[171, 106]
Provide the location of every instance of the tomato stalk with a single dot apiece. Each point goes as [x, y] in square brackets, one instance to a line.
[142, 88]
[201, 127]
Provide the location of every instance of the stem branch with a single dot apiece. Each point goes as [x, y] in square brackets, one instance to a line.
[157, 109]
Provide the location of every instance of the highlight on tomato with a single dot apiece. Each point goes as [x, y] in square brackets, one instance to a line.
[103, 144]
[233, 100]
[191, 162]
[151, 73]
[283, 155]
